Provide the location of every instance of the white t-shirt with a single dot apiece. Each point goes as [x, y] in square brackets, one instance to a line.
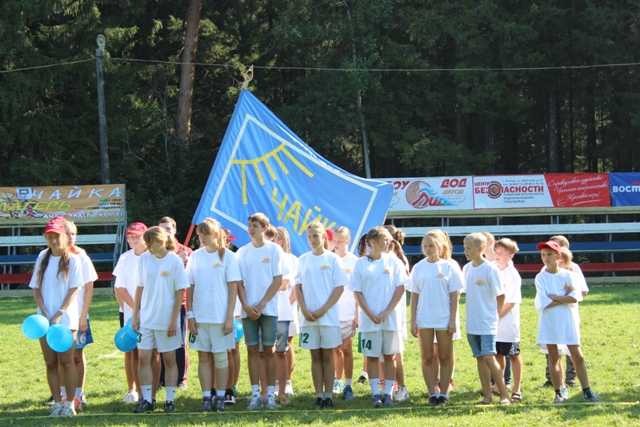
[377, 281]
[319, 276]
[509, 324]
[347, 304]
[482, 286]
[210, 278]
[125, 273]
[559, 324]
[434, 282]
[55, 288]
[258, 267]
[88, 275]
[579, 280]
[285, 309]
[160, 278]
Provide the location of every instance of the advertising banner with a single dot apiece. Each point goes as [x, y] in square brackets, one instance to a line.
[625, 189]
[262, 166]
[434, 193]
[94, 204]
[568, 190]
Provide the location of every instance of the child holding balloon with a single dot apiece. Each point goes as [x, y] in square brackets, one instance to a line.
[160, 280]
[212, 272]
[55, 284]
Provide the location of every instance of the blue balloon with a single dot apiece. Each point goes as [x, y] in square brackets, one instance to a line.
[133, 334]
[35, 326]
[239, 330]
[59, 338]
[123, 341]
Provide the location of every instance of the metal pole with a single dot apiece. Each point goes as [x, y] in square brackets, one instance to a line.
[102, 116]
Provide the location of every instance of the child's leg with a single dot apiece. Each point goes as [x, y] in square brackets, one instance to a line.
[390, 372]
[128, 371]
[427, 355]
[236, 364]
[347, 353]
[204, 370]
[373, 372]
[51, 363]
[400, 369]
[136, 372]
[555, 367]
[221, 362]
[281, 374]
[516, 370]
[170, 373]
[435, 366]
[491, 367]
[501, 362]
[578, 362]
[156, 369]
[316, 372]
[328, 371]
[291, 359]
[146, 374]
[232, 369]
[338, 361]
[263, 374]
[69, 368]
[445, 356]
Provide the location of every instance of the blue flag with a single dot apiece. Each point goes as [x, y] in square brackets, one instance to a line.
[262, 166]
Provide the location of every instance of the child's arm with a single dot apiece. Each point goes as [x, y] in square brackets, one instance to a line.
[302, 304]
[454, 300]
[135, 317]
[506, 307]
[333, 299]
[500, 299]
[397, 296]
[88, 296]
[363, 305]
[413, 308]
[172, 330]
[271, 292]
[228, 326]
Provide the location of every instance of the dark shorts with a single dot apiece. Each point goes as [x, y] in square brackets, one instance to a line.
[508, 348]
[121, 319]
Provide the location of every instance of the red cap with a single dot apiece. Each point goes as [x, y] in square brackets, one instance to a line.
[330, 235]
[58, 219]
[551, 245]
[54, 227]
[137, 228]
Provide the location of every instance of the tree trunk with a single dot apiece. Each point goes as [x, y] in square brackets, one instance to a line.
[187, 73]
[553, 134]
[592, 159]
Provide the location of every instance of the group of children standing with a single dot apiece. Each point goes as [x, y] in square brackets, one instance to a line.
[337, 293]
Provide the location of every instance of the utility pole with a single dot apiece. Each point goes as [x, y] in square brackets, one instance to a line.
[102, 116]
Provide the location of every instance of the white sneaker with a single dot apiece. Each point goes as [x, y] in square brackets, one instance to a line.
[55, 409]
[288, 388]
[402, 394]
[130, 397]
[255, 403]
[270, 402]
[564, 393]
[67, 411]
[337, 387]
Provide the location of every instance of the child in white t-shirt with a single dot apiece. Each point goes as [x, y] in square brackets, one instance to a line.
[318, 285]
[213, 274]
[556, 301]
[435, 291]
[508, 339]
[484, 301]
[348, 307]
[125, 290]
[160, 281]
[378, 281]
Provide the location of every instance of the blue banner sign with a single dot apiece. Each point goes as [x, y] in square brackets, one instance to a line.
[625, 188]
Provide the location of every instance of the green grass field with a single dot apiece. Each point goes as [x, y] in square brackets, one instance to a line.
[609, 315]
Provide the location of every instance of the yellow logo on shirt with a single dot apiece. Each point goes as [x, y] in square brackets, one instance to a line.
[266, 260]
[164, 273]
[324, 267]
[387, 271]
[504, 285]
[217, 265]
[440, 275]
[479, 282]
[348, 270]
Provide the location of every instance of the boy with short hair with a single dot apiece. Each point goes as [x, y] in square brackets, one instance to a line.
[508, 338]
[261, 271]
[485, 299]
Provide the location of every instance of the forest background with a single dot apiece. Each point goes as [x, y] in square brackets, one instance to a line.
[432, 87]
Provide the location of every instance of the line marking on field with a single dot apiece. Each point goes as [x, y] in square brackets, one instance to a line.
[114, 355]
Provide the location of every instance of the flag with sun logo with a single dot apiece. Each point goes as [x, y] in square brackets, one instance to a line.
[262, 166]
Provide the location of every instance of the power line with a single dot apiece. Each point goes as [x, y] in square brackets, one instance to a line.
[341, 70]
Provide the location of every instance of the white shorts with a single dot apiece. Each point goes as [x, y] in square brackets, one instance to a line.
[377, 343]
[294, 327]
[156, 338]
[315, 337]
[346, 329]
[210, 339]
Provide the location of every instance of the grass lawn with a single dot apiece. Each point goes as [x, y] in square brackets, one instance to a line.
[609, 316]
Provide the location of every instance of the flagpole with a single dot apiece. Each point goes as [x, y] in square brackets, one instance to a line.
[186, 241]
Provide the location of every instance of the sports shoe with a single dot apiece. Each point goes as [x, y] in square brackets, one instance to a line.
[288, 388]
[206, 404]
[229, 398]
[218, 404]
[182, 385]
[255, 403]
[433, 401]
[77, 405]
[55, 409]
[377, 400]
[337, 387]
[363, 379]
[327, 403]
[558, 399]
[318, 402]
[564, 393]
[130, 397]
[591, 396]
[443, 400]
[387, 400]
[401, 394]
[347, 393]
[169, 407]
[67, 410]
[143, 407]
[270, 402]
[83, 399]
[49, 402]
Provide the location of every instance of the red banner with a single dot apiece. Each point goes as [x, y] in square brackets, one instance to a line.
[578, 190]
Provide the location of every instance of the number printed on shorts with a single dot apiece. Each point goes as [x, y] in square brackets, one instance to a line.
[304, 338]
[366, 344]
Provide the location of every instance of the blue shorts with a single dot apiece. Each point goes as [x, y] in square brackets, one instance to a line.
[482, 345]
[84, 338]
[282, 337]
[260, 331]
